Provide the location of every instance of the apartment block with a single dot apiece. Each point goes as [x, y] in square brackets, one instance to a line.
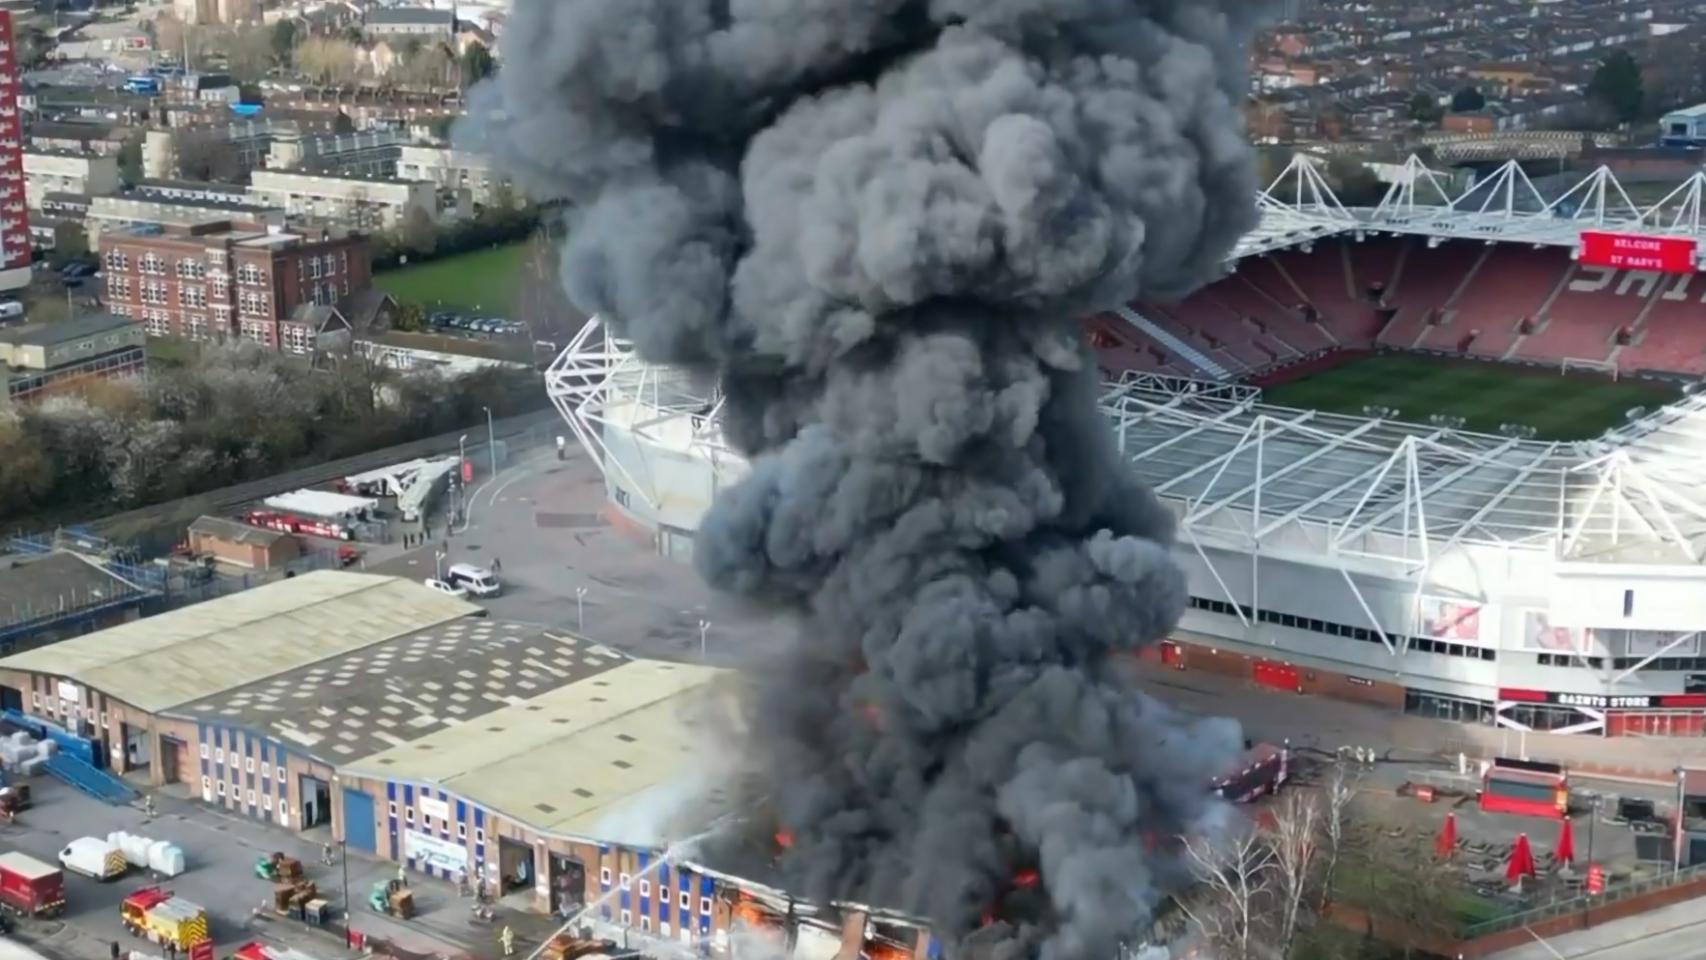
[451, 169]
[228, 281]
[59, 171]
[367, 203]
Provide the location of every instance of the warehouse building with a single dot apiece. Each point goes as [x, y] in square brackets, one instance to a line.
[126, 688]
[403, 723]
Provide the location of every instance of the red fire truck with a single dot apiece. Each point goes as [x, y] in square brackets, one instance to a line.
[1527, 788]
[296, 523]
[1259, 773]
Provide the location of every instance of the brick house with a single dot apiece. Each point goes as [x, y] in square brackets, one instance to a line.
[221, 281]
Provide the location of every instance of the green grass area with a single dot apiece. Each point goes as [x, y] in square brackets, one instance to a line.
[171, 351]
[484, 281]
[1486, 395]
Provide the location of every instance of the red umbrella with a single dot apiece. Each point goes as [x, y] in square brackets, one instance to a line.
[1522, 859]
[1446, 842]
[1565, 851]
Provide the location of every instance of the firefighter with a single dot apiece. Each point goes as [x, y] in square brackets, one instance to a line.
[508, 938]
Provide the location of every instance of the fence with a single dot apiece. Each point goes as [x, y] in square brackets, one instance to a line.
[1613, 894]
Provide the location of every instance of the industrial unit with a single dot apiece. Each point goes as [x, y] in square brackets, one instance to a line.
[409, 726]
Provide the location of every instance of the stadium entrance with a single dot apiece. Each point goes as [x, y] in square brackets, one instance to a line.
[1609, 715]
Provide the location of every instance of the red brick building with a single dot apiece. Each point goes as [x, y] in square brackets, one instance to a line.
[221, 281]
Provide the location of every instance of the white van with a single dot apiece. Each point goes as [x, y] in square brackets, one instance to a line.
[93, 857]
[11, 310]
[476, 580]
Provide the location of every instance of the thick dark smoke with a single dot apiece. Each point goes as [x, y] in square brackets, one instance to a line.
[875, 222]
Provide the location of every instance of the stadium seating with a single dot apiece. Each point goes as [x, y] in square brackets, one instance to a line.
[1510, 284]
[1590, 306]
[1671, 333]
[1501, 301]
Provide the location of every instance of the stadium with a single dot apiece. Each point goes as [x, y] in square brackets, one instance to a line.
[1443, 455]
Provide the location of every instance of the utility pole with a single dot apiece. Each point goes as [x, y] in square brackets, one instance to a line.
[491, 440]
[343, 857]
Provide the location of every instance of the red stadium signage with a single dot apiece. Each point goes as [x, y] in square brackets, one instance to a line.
[1638, 251]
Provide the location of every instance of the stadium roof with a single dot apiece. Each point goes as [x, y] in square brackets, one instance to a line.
[1384, 489]
[1381, 489]
[161, 662]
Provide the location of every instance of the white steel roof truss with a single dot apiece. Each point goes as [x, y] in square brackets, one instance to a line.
[1199, 513]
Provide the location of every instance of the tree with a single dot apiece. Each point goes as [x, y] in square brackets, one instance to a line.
[1296, 841]
[283, 41]
[1337, 791]
[1466, 100]
[1401, 888]
[248, 52]
[70, 243]
[1233, 875]
[477, 63]
[410, 317]
[1617, 87]
[328, 61]
[202, 157]
[130, 161]
[26, 475]
[1425, 109]
[419, 234]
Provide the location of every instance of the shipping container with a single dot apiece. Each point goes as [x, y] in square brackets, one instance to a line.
[30, 887]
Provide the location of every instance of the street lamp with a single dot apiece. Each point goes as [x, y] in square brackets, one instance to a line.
[491, 440]
[580, 609]
[704, 627]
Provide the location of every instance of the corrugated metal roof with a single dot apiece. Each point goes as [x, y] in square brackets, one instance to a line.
[161, 662]
[565, 761]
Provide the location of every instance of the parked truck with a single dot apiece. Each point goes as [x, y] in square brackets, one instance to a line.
[30, 887]
[157, 914]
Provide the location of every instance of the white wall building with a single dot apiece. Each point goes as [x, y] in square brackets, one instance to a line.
[363, 202]
[48, 172]
[451, 169]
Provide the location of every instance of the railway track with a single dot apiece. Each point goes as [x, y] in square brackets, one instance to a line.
[144, 527]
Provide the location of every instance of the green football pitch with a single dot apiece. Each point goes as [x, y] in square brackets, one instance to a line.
[1485, 395]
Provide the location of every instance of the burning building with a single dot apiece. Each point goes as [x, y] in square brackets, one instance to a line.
[872, 225]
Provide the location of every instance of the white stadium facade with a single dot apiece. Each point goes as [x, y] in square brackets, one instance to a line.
[1483, 578]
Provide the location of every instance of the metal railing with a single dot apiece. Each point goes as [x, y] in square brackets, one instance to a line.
[1578, 904]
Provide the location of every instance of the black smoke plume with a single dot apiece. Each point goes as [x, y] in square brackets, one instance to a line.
[875, 222]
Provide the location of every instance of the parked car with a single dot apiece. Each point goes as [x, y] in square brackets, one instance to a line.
[445, 588]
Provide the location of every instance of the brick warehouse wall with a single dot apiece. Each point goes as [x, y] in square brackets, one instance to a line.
[253, 775]
[635, 888]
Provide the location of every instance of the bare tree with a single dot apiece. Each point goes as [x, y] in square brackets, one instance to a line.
[1296, 844]
[1336, 794]
[1233, 876]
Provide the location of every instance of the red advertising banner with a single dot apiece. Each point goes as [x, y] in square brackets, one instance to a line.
[467, 472]
[201, 950]
[1596, 879]
[1638, 251]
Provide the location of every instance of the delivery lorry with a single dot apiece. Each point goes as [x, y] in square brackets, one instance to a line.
[30, 887]
[93, 857]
